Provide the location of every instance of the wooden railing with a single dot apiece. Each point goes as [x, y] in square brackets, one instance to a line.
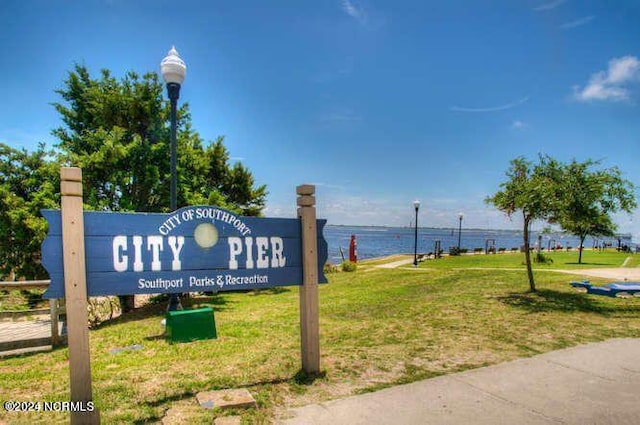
[56, 308]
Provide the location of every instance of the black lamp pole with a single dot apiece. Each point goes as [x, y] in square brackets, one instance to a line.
[173, 72]
[416, 204]
[173, 90]
[459, 230]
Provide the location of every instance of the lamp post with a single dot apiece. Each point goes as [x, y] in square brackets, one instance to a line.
[460, 215]
[173, 71]
[416, 205]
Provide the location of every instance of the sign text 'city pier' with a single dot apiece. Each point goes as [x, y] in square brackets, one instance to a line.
[199, 248]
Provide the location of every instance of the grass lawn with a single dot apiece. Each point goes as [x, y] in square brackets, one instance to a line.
[22, 300]
[561, 260]
[378, 328]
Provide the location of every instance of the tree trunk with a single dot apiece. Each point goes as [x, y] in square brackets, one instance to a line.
[127, 303]
[527, 255]
[580, 249]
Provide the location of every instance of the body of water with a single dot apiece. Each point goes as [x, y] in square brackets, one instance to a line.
[383, 241]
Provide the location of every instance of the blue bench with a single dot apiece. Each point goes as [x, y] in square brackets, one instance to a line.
[615, 289]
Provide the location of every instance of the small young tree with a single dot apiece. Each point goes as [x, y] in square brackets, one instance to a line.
[588, 199]
[532, 190]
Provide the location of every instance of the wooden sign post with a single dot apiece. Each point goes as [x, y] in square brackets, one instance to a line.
[193, 249]
[309, 314]
[75, 286]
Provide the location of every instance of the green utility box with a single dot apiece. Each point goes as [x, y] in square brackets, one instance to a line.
[189, 325]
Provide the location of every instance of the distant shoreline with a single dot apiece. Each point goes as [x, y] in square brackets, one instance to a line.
[466, 229]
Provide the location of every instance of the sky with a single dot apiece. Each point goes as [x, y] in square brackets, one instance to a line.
[377, 103]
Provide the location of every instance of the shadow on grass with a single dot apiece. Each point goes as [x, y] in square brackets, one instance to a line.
[303, 378]
[547, 300]
[159, 309]
[162, 336]
[35, 352]
[300, 379]
[217, 302]
[274, 290]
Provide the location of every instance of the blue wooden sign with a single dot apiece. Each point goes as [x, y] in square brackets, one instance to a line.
[193, 249]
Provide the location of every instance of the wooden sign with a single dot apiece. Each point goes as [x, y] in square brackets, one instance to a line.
[190, 250]
[194, 249]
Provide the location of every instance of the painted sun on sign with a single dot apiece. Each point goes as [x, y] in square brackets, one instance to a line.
[199, 248]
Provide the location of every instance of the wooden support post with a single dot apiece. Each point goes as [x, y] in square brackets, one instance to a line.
[55, 335]
[75, 286]
[309, 309]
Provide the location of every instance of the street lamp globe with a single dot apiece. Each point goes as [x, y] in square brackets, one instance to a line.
[173, 68]
[416, 204]
[460, 215]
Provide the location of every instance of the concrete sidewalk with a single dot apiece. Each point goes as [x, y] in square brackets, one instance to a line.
[395, 264]
[589, 384]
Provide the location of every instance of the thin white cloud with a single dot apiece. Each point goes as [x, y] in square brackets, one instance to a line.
[519, 125]
[355, 11]
[237, 158]
[621, 70]
[490, 108]
[549, 6]
[611, 84]
[577, 23]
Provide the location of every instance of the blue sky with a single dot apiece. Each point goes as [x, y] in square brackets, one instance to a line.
[377, 103]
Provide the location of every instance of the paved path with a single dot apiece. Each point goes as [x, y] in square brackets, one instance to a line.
[589, 384]
[11, 331]
[395, 264]
[615, 273]
[618, 273]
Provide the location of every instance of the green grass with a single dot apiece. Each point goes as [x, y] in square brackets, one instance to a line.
[632, 260]
[384, 260]
[378, 328]
[561, 260]
[16, 300]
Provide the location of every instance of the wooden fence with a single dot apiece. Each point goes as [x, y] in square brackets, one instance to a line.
[19, 335]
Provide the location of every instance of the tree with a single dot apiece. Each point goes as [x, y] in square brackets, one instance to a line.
[588, 199]
[118, 132]
[29, 182]
[533, 191]
[215, 182]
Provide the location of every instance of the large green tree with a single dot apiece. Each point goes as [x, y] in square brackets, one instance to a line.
[531, 190]
[29, 182]
[117, 131]
[589, 197]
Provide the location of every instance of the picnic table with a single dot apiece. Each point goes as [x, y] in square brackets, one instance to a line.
[615, 289]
